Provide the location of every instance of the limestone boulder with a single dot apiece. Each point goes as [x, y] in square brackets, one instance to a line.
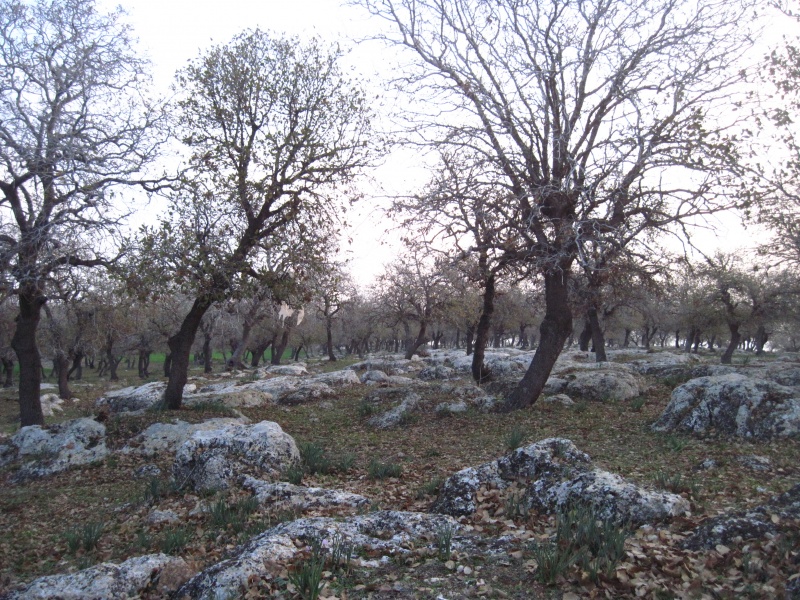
[135, 399]
[44, 451]
[345, 377]
[154, 574]
[232, 397]
[436, 372]
[602, 385]
[556, 475]
[301, 497]
[166, 438]
[389, 365]
[307, 391]
[296, 370]
[390, 533]
[51, 403]
[403, 402]
[780, 514]
[733, 405]
[665, 364]
[374, 376]
[214, 459]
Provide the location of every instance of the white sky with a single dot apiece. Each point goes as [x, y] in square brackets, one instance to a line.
[171, 32]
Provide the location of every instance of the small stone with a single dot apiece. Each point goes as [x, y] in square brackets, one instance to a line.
[467, 571]
[449, 565]
[722, 549]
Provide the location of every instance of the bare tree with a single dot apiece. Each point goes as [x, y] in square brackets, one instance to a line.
[73, 124]
[276, 130]
[605, 118]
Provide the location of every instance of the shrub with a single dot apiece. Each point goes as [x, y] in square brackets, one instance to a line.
[366, 409]
[307, 575]
[430, 488]
[314, 459]
[514, 438]
[90, 535]
[552, 561]
[444, 541]
[379, 470]
[174, 540]
[233, 515]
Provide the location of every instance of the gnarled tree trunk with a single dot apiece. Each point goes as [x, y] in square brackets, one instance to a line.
[479, 371]
[180, 347]
[30, 361]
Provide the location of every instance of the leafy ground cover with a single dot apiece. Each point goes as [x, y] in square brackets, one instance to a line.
[101, 512]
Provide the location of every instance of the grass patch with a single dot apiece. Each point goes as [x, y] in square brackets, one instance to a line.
[381, 470]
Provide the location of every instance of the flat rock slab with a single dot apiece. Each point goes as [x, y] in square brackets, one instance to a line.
[405, 401]
[780, 514]
[556, 474]
[602, 385]
[161, 438]
[390, 532]
[44, 451]
[214, 459]
[733, 405]
[154, 573]
[301, 497]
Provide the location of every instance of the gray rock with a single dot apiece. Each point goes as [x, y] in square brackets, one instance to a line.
[665, 364]
[559, 399]
[555, 386]
[214, 459]
[300, 497]
[43, 451]
[232, 397]
[161, 517]
[754, 523]
[404, 399]
[755, 462]
[445, 408]
[154, 573]
[436, 372]
[783, 374]
[147, 471]
[306, 392]
[390, 366]
[557, 474]
[601, 385]
[136, 399]
[374, 376]
[706, 465]
[161, 438]
[389, 532]
[296, 370]
[50, 403]
[345, 377]
[732, 405]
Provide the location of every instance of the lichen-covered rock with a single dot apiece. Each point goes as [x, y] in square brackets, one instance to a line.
[780, 514]
[557, 474]
[155, 574]
[135, 399]
[601, 385]
[755, 462]
[232, 397]
[404, 400]
[555, 386]
[162, 438]
[214, 459]
[265, 556]
[436, 372]
[344, 377]
[50, 403]
[43, 451]
[665, 364]
[301, 497]
[559, 399]
[390, 366]
[296, 370]
[612, 497]
[306, 392]
[732, 405]
[374, 376]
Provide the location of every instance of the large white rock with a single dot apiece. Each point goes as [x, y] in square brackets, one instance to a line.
[389, 532]
[734, 405]
[162, 438]
[556, 475]
[43, 451]
[137, 399]
[154, 573]
[213, 459]
[404, 401]
[301, 497]
[601, 385]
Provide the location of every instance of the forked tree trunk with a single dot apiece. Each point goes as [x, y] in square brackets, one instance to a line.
[761, 338]
[77, 367]
[419, 341]
[180, 351]
[736, 337]
[30, 361]
[598, 339]
[553, 332]
[479, 371]
[279, 347]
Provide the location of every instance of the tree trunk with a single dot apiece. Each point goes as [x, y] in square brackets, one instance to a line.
[627, 340]
[180, 346]
[143, 364]
[761, 338]
[470, 336]
[30, 361]
[479, 371]
[598, 340]
[585, 337]
[280, 347]
[8, 370]
[61, 363]
[553, 332]
[258, 352]
[419, 341]
[736, 337]
[77, 366]
[329, 338]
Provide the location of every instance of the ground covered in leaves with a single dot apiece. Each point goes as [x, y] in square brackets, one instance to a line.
[104, 513]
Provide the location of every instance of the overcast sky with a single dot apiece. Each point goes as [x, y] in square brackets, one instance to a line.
[171, 32]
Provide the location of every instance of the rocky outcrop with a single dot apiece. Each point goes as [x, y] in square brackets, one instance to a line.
[43, 451]
[156, 574]
[556, 474]
[300, 497]
[136, 399]
[389, 365]
[388, 532]
[665, 364]
[403, 399]
[780, 514]
[214, 459]
[161, 438]
[601, 385]
[733, 405]
[436, 372]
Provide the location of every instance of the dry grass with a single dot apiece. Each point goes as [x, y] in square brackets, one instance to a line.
[37, 517]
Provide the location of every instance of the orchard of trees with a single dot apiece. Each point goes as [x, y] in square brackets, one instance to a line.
[576, 144]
